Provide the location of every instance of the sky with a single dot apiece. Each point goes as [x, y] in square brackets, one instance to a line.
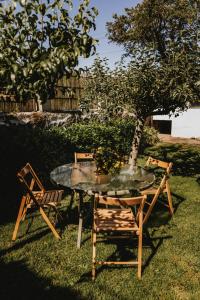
[106, 9]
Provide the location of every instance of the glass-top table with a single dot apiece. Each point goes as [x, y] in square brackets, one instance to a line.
[82, 176]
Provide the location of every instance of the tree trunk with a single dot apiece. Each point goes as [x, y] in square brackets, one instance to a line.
[39, 103]
[136, 141]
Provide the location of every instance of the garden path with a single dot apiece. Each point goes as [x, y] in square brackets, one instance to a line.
[174, 140]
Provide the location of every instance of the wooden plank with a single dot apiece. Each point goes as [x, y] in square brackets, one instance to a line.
[116, 263]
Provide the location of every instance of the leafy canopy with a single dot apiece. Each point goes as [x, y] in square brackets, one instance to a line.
[143, 87]
[161, 37]
[160, 25]
[42, 40]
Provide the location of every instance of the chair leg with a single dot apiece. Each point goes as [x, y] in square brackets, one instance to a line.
[29, 224]
[169, 196]
[80, 224]
[57, 214]
[24, 213]
[49, 223]
[140, 248]
[19, 217]
[94, 238]
[153, 202]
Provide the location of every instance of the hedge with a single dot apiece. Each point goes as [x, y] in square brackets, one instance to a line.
[45, 149]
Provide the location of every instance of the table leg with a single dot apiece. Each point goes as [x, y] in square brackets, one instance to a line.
[80, 224]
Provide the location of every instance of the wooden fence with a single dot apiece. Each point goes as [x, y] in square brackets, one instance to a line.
[13, 106]
[67, 96]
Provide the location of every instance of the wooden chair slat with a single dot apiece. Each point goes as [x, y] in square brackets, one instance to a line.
[83, 156]
[120, 201]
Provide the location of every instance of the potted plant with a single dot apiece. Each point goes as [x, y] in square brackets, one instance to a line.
[107, 161]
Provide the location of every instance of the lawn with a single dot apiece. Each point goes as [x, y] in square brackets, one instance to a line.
[37, 266]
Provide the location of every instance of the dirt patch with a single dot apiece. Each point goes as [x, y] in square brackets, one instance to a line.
[178, 140]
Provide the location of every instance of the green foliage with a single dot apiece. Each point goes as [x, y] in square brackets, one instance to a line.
[40, 42]
[143, 87]
[107, 160]
[46, 149]
[116, 135]
[162, 39]
[162, 78]
[113, 138]
[160, 25]
[149, 137]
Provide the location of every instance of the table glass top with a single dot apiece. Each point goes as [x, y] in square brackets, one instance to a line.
[83, 176]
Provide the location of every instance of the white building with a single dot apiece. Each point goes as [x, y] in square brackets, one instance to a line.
[187, 124]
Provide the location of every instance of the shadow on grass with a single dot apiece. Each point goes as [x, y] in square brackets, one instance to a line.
[124, 252]
[18, 282]
[185, 158]
[27, 233]
[149, 241]
[160, 214]
[178, 201]
[21, 243]
[198, 180]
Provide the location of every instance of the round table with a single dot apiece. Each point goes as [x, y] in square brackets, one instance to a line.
[82, 176]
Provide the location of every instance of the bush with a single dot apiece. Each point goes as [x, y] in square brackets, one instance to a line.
[116, 135]
[42, 148]
[45, 149]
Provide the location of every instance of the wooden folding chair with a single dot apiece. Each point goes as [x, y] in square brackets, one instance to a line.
[35, 196]
[118, 220]
[163, 187]
[78, 156]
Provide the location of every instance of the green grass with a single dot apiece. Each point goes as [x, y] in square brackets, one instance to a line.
[37, 266]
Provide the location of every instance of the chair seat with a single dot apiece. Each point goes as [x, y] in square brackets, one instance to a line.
[151, 191]
[52, 197]
[115, 220]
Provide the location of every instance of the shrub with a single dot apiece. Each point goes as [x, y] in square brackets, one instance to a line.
[116, 135]
[45, 149]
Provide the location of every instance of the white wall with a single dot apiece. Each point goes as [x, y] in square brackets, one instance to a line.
[186, 125]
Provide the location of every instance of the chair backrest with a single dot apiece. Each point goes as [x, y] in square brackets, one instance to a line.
[167, 166]
[132, 201]
[83, 156]
[159, 163]
[30, 180]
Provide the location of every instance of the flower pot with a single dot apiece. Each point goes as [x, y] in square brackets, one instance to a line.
[102, 178]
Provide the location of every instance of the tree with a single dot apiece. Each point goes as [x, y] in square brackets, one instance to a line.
[161, 37]
[159, 25]
[143, 87]
[40, 42]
